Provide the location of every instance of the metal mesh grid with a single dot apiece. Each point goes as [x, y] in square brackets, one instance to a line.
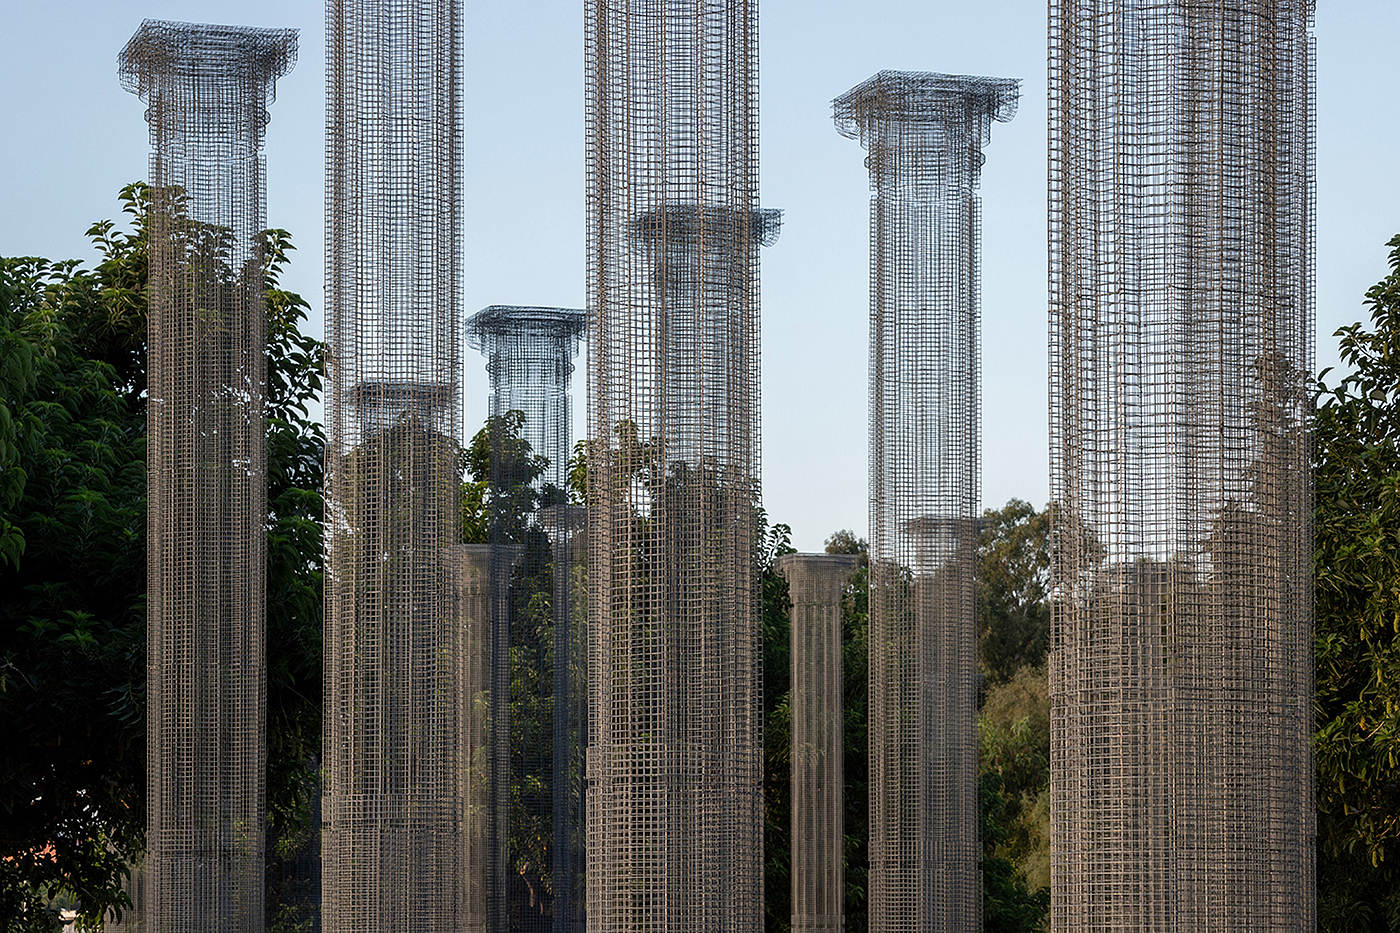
[395, 790]
[535, 863]
[816, 583]
[675, 808]
[1181, 321]
[925, 134]
[471, 568]
[207, 89]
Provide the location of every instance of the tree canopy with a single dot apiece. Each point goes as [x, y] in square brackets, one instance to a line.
[1357, 592]
[73, 579]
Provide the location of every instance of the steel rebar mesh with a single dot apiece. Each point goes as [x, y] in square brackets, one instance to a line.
[207, 90]
[535, 862]
[396, 785]
[816, 583]
[471, 565]
[675, 807]
[925, 133]
[1181, 321]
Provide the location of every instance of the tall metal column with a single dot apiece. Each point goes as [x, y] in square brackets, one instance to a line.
[1181, 341]
[536, 854]
[472, 596]
[207, 89]
[675, 808]
[816, 583]
[395, 837]
[925, 133]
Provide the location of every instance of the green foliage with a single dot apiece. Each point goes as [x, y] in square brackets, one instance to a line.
[1007, 905]
[1014, 734]
[1013, 610]
[72, 599]
[1013, 580]
[295, 576]
[1357, 582]
[775, 618]
[499, 496]
[73, 574]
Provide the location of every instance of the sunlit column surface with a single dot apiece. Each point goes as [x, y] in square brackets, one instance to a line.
[675, 808]
[536, 852]
[396, 842]
[1181, 321]
[924, 133]
[816, 584]
[207, 89]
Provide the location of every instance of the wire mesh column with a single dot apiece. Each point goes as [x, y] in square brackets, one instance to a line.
[674, 765]
[207, 90]
[1181, 322]
[536, 852]
[472, 598]
[816, 583]
[925, 133]
[395, 840]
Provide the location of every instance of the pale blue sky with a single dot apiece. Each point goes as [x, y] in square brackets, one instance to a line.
[71, 138]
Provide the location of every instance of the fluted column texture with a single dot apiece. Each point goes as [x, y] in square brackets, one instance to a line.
[816, 585]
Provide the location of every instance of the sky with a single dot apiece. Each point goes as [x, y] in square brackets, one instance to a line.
[70, 138]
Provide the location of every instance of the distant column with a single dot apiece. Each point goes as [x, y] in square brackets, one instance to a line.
[1181, 346]
[395, 843]
[207, 89]
[537, 842]
[816, 583]
[925, 134]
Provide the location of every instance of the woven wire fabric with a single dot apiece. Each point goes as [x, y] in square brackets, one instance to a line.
[816, 585]
[1181, 342]
[674, 799]
[398, 642]
[207, 90]
[924, 133]
[535, 862]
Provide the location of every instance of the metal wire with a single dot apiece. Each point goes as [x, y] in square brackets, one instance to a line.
[1181, 321]
[925, 134]
[535, 863]
[816, 583]
[397, 729]
[675, 807]
[472, 596]
[207, 89]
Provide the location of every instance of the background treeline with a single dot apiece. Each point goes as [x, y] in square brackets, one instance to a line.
[72, 584]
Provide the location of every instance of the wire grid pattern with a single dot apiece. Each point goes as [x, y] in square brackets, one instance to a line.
[395, 790]
[471, 569]
[1181, 323]
[924, 133]
[207, 90]
[535, 865]
[674, 768]
[816, 584]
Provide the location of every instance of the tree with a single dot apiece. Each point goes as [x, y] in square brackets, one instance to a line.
[1013, 587]
[72, 576]
[1013, 614]
[1357, 591]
